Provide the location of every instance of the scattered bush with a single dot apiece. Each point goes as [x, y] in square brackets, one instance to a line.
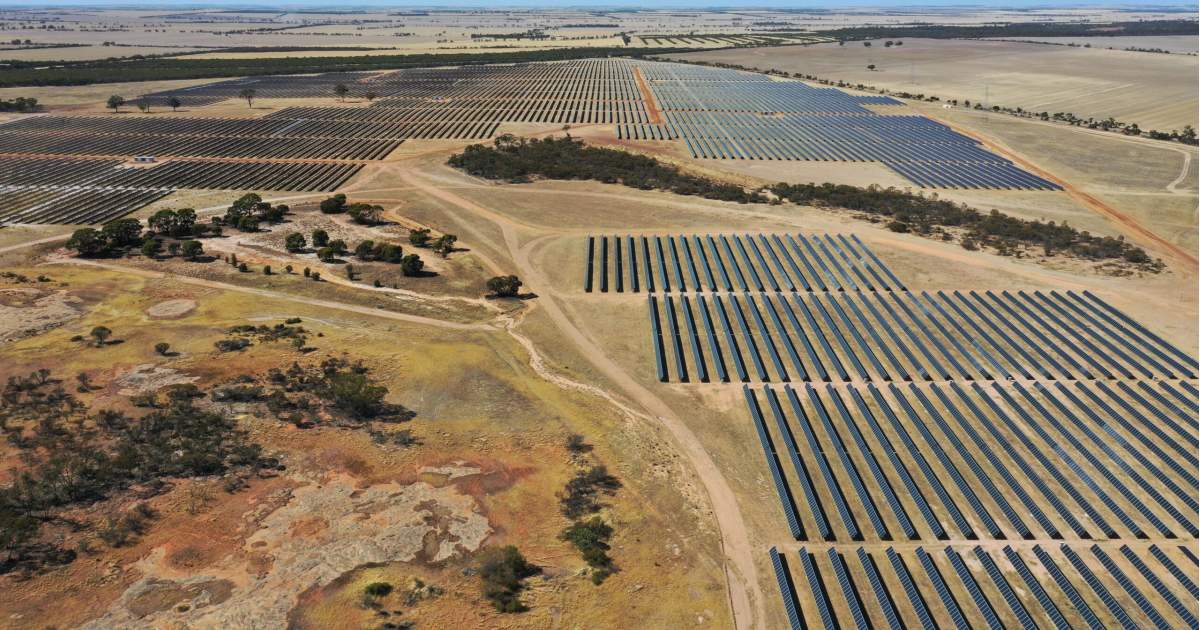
[503, 571]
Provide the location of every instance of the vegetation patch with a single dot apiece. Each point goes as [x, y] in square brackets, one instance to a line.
[503, 571]
[517, 160]
[71, 456]
[939, 218]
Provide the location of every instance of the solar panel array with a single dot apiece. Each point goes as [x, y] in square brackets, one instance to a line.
[80, 190]
[1022, 585]
[892, 418]
[717, 113]
[726, 114]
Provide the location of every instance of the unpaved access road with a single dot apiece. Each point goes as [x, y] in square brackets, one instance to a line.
[741, 573]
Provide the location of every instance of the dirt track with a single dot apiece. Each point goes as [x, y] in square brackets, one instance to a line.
[648, 97]
[741, 573]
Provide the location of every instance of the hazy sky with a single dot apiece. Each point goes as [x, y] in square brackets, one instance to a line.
[673, 4]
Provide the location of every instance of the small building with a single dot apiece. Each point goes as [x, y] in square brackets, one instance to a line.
[144, 158]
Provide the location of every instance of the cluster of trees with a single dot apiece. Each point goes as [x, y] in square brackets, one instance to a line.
[364, 213]
[148, 68]
[580, 499]
[518, 160]
[328, 250]
[72, 456]
[931, 216]
[335, 391]
[442, 245]
[19, 104]
[124, 236]
[250, 211]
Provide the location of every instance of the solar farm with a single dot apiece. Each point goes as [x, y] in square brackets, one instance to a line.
[944, 458]
[716, 114]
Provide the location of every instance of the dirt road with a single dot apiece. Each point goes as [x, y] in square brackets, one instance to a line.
[741, 572]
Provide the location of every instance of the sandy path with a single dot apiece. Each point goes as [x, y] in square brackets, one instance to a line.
[652, 110]
[277, 295]
[741, 572]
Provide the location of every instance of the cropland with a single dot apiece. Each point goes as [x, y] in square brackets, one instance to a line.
[600, 341]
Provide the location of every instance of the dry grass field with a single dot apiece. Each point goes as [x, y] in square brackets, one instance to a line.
[1154, 91]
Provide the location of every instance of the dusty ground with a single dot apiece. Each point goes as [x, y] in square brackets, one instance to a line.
[1154, 91]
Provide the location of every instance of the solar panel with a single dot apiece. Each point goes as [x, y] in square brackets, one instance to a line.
[1160, 588]
[1065, 586]
[1006, 590]
[882, 597]
[948, 602]
[1136, 595]
[1172, 568]
[848, 590]
[910, 590]
[787, 590]
[968, 580]
[781, 487]
[818, 590]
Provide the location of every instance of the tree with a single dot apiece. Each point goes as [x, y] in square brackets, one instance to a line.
[123, 232]
[365, 213]
[388, 253]
[101, 334]
[88, 242]
[151, 247]
[115, 102]
[320, 238]
[248, 94]
[247, 224]
[870, 66]
[192, 250]
[419, 237]
[365, 250]
[370, 96]
[174, 102]
[295, 242]
[144, 106]
[162, 348]
[356, 394]
[326, 254]
[174, 223]
[341, 91]
[334, 205]
[504, 286]
[445, 244]
[411, 265]
[338, 246]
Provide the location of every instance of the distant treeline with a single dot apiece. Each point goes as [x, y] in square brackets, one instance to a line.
[34, 73]
[1021, 29]
[516, 160]
[930, 216]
